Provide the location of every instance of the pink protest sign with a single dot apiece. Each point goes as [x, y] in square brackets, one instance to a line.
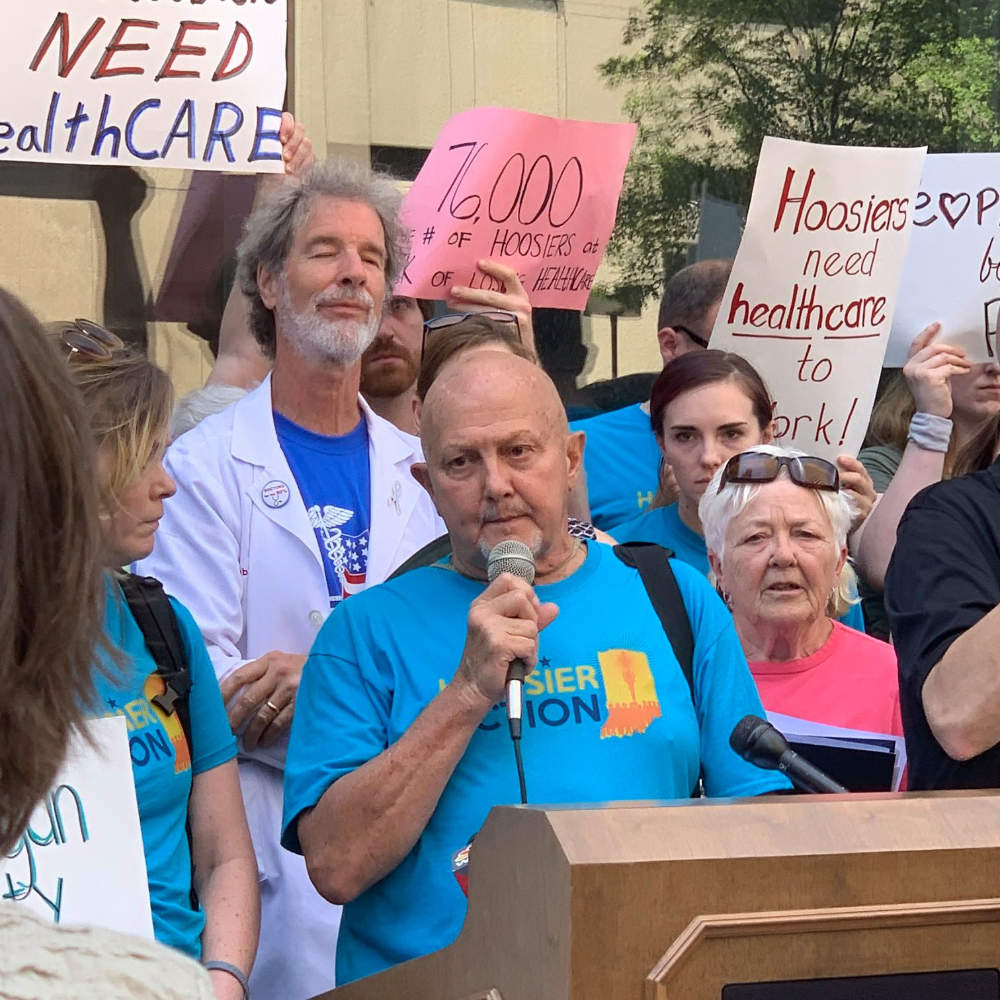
[539, 194]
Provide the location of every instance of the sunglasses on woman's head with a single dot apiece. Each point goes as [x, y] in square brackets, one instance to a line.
[90, 339]
[453, 319]
[762, 467]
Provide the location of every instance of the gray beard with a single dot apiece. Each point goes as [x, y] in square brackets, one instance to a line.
[341, 342]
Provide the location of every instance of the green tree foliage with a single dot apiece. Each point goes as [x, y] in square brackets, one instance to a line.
[706, 80]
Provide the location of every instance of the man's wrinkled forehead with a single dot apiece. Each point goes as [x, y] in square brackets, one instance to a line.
[490, 388]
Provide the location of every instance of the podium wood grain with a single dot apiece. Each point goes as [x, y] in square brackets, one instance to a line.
[586, 902]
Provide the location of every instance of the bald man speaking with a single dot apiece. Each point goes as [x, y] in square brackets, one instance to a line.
[400, 746]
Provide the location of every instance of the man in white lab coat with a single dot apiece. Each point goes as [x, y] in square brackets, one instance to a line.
[289, 501]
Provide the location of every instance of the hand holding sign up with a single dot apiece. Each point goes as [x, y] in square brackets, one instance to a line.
[929, 369]
[512, 299]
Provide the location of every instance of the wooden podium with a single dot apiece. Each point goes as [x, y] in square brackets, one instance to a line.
[677, 901]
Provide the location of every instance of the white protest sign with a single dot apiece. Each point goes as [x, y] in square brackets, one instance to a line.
[144, 83]
[952, 271]
[81, 859]
[810, 300]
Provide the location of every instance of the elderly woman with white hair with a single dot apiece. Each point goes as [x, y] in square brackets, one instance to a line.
[776, 524]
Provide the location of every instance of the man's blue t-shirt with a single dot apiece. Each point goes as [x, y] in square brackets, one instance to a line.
[664, 526]
[162, 763]
[333, 475]
[622, 462]
[608, 716]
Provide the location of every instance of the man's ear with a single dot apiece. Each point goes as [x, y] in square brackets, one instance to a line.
[419, 472]
[670, 343]
[574, 456]
[418, 409]
[267, 286]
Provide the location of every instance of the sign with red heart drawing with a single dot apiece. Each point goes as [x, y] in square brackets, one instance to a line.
[952, 271]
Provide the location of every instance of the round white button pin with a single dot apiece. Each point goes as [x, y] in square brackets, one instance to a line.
[275, 493]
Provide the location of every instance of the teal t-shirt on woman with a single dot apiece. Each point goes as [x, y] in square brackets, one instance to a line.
[162, 762]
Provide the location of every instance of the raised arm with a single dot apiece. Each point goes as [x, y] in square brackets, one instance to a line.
[240, 360]
[928, 373]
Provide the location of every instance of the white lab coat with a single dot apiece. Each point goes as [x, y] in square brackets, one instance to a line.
[252, 576]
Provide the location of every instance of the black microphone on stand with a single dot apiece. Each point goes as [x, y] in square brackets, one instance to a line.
[758, 742]
[514, 557]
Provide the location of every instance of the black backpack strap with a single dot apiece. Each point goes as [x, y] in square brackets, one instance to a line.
[653, 563]
[155, 616]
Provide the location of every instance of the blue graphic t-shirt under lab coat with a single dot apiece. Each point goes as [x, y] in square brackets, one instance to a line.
[334, 478]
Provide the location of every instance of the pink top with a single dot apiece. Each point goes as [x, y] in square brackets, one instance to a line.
[850, 681]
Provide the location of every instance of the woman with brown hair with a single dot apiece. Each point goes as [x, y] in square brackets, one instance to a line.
[200, 863]
[50, 626]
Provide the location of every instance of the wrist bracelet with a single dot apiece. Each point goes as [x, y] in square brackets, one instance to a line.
[236, 973]
[930, 432]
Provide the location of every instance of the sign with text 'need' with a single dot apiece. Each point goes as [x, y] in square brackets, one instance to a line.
[194, 84]
[811, 296]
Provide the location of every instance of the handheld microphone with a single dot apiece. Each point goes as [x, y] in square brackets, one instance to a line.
[758, 742]
[513, 557]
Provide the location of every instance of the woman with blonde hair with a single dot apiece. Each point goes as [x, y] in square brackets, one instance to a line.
[52, 543]
[199, 859]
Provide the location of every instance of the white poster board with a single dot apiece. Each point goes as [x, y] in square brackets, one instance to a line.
[181, 84]
[810, 300]
[81, 859]
[952, 272]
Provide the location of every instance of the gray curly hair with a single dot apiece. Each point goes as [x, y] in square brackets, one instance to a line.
[269, 231]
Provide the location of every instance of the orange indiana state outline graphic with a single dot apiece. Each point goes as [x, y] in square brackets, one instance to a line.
[171, 723]
[632, 703]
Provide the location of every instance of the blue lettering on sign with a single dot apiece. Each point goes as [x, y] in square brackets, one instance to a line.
[104, 130]
[268, 135]
[186, 112]
[28, 139]
[217, 134]
[148, 154]
[105, 137]
[30, 839]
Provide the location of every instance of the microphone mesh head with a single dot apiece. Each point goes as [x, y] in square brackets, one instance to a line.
[745, 732]
[511, 556]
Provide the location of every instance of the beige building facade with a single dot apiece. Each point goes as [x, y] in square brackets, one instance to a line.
[361, 74]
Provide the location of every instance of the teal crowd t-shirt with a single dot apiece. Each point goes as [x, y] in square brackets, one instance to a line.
[622, 462]
[162, 763]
